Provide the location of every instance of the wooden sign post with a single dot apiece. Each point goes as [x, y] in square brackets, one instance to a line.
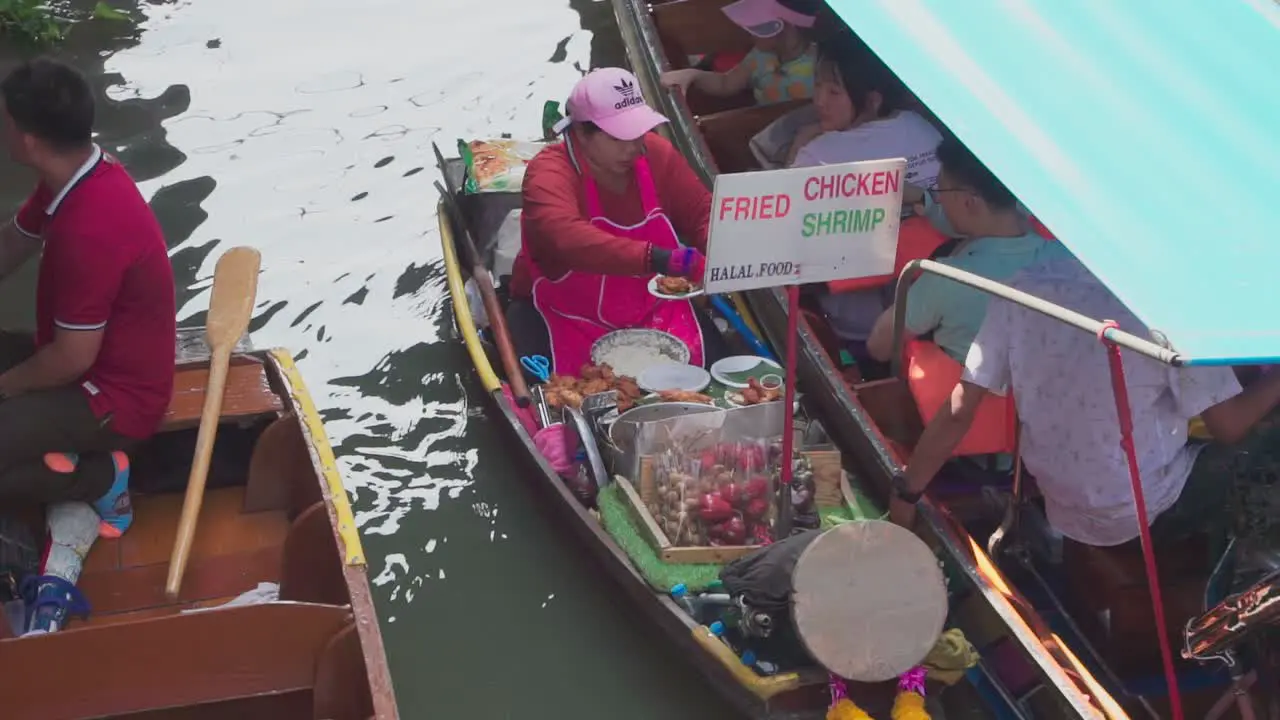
[803, 225]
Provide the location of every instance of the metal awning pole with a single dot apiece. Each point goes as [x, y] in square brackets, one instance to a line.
[1044, 307]
[1124, 414]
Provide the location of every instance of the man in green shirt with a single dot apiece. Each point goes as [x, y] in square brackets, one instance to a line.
[968, 202]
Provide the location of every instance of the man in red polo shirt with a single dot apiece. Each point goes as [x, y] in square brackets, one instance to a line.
[98, 375]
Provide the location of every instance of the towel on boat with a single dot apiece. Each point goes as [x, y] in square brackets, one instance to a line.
[559, 445]
[950, 657]
[266, 592]
[525, 415]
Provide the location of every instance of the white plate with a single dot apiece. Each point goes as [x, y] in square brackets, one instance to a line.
[741, 363]
[655, 347]
[653, 290]
[674, 377]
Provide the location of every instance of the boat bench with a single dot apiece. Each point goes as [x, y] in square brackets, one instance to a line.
[147, 659]
[249, 394]
[699, 27]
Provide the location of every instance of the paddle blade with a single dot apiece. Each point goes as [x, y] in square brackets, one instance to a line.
[235, 287]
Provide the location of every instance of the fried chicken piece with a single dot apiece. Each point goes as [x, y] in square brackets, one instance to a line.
[590, 372]
[674, 285]
[766, 394]
[561, 382]
[751, 396]
[627, 388]
[606, 372]
[684, 396]
[591, 387]
[572, 398]
[625, 403]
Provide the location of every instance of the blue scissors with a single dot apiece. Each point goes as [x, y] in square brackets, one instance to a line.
[537, 365]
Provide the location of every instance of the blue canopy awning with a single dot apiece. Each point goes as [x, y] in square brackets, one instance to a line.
[1145, 135]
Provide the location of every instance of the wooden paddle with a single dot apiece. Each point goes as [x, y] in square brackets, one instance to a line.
[235, 284]
[492, 308]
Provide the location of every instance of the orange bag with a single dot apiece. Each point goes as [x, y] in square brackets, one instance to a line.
[931, 376]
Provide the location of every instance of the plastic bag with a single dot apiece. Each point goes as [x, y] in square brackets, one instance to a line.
[771, 145]
[719, 494]
[475, 302]
[496, 165]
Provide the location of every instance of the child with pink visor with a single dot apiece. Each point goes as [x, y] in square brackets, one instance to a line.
[779, 68]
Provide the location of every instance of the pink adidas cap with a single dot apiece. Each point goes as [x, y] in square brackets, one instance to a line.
[764, 18]
[610, 98]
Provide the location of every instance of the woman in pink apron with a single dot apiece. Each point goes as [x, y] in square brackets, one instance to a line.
[602, 213]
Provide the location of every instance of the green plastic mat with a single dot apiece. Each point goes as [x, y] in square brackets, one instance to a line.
[660, 575]
[663, 576]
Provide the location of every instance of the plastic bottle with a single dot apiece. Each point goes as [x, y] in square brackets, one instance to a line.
[696, 604]
[680, 593]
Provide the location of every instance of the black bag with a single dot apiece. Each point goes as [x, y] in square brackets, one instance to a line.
[763, 578]
[760, 584]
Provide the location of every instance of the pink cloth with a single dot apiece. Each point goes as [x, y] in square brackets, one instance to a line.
[580, 308]
[558, 445]
[913, 680]
[610, 97]
[526, 416]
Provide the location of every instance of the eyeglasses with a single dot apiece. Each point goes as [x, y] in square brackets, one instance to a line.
[934, 192]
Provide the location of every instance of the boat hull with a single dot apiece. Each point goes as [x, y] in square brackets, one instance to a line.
[787, 697]
[275, 511]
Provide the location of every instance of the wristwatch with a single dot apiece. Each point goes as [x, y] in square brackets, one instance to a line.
[900, 490]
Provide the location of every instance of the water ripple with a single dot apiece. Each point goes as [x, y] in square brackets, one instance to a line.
[302, 128]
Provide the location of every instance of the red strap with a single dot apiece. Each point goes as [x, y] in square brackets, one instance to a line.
[1125, 416]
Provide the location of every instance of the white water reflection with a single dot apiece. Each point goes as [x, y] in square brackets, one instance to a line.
[309, 116]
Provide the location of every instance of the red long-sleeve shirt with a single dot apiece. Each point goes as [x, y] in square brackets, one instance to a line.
[558, 234]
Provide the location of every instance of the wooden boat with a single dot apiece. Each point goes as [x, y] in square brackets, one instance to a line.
[874, 422]
[274, 511]
[1064, 657]
[785, 696]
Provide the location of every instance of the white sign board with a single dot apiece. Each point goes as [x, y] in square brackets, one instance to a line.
[803, 225]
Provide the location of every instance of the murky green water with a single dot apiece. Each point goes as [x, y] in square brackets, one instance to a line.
[305, 129]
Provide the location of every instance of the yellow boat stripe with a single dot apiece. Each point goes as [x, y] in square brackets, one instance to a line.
[763, 687]
[461, 308]
[352, 549]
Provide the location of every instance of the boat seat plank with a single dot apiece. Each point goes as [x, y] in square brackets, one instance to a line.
[174, 661]
[698, 27]
[232, 552]
[296, 704]
[155, 612]
[248, 394]
[891, 406]
[223, 530]
[142, 587]
[728, 134]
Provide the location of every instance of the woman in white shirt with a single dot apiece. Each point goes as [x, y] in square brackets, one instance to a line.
[858, 101]
[860, 115]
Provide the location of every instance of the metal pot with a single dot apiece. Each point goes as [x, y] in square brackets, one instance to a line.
[622, 432]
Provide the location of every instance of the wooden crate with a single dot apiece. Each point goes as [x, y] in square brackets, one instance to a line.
[828, 479]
